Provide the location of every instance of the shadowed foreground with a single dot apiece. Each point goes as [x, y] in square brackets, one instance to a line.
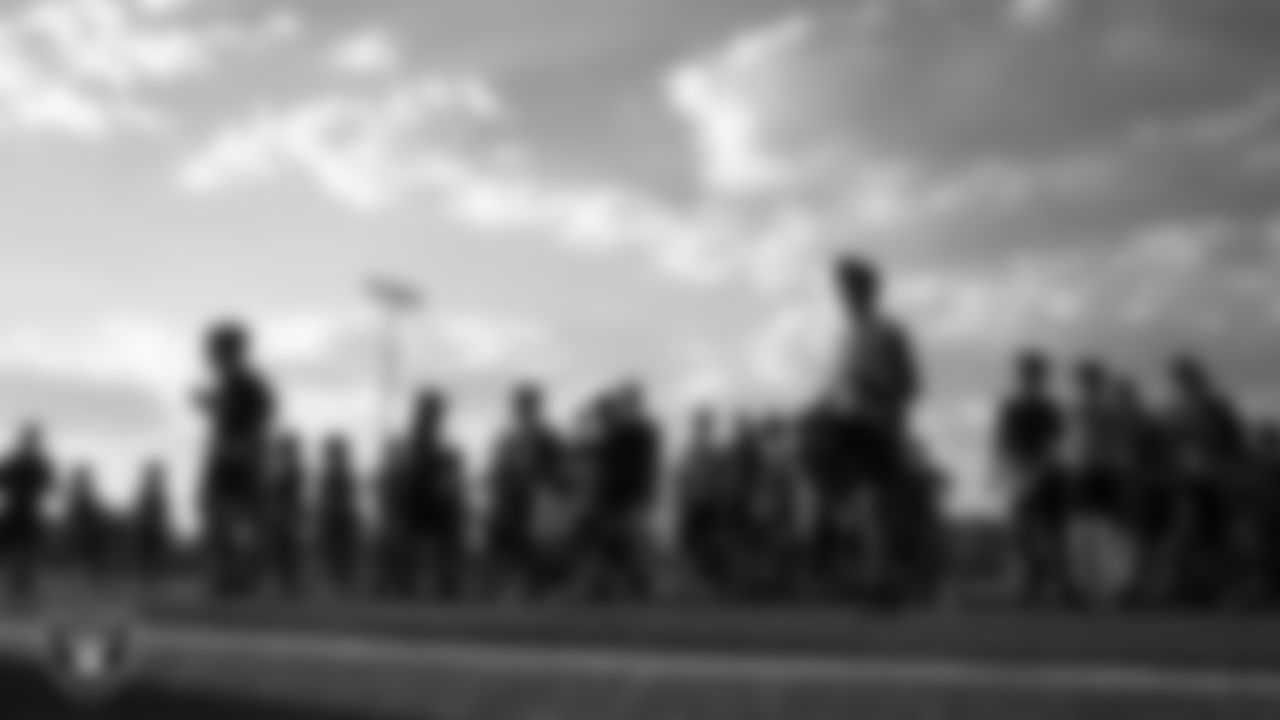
[260, 668]
[26, 693]
[341, 694]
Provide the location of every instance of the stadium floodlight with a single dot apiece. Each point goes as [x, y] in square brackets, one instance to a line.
[395, 299]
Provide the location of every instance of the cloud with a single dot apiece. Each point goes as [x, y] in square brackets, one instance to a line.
[90, 68]
[367, 54]
[362, 148]
[730, 101]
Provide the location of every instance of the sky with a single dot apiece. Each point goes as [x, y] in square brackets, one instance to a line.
[587, 190]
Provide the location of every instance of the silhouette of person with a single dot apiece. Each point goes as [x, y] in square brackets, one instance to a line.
[240, 409]
[1209, 439]
[338, 519]
[89, 526]
[286, 512]
[1209, 428]
[1029, 435]
[153, 528]
[1266, 458]
[395, 521]
[630, 455]
[435, 496]
[859, 446]
[1094, 483]
[527, 475]
[1136, 450]
[700, 488]
[26, 479]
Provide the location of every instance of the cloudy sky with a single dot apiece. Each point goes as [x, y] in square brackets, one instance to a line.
[599, 188]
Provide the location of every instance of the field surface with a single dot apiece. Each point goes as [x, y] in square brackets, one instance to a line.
[332, 661]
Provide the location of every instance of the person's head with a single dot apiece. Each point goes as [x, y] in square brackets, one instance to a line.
[1033, 370]
[228, 345]
[289, 450]
[154, 476]
[1189, 375]
[431, 407]
[82, 479]
[1092, 377]
[31, 439]
[528, 403]
[631, 399]
[858, 282]
[337, 452]
[704, 424]
[153, 470]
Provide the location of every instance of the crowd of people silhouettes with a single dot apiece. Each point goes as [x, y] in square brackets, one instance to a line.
[1115, 500]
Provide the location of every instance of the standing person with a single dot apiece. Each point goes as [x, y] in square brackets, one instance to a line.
[1029, 434]
[699, 499]
[527, 474]
[1092, 423]
[436, 497]
[26, 478]
[631, 457]
[240, 409]
[864, 427]
[1209, 438]
[286, 513]
[1266, 460]
[337, 517]
[395, 522]
[89, 527]
[152, 528]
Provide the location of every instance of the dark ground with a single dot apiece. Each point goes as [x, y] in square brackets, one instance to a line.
[1240, 642]
[226, 686]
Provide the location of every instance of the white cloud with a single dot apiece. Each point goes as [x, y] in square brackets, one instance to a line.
[730, 102]
[87, 68]
[365, 149]
[368, 54]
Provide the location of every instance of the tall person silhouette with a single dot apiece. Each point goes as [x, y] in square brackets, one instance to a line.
[338, 519]
[26, 478]
[240, 410]
[286, 512]
[1029, 435]
[864, 447]
[152, 527]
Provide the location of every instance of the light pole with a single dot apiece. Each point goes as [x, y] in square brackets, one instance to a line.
[395, 300]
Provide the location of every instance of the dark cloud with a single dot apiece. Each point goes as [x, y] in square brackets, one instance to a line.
[950, 81]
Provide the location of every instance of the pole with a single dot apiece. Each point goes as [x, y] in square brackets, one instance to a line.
[390, 378]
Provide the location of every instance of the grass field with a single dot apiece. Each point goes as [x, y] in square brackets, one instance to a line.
[383, 663]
